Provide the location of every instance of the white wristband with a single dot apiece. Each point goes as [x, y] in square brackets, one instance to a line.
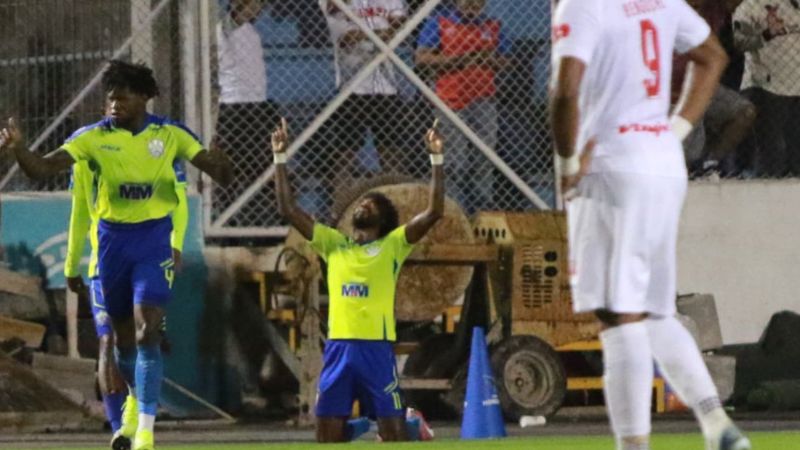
[568, 166]
[437, 159]
[280, 158]
[680, 126]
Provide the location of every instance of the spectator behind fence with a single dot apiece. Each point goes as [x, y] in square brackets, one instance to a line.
[768, 31]
[375, 104]
[729, 116]
[464, 49]
[246, 117]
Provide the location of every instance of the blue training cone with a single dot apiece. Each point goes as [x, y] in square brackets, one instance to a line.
[482, 415]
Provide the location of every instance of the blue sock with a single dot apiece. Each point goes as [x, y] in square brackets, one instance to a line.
[412, 427]
[356, 427]
[149, 372]
[113, 404]
[126, 361]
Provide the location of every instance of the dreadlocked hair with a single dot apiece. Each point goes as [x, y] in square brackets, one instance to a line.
[389, 217]
[137, 78]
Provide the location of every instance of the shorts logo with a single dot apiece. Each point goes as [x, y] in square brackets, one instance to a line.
[135, 191]
[356, 290]
[101, 318]
[156, 148]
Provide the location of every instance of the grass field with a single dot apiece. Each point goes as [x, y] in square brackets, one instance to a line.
[761, 441]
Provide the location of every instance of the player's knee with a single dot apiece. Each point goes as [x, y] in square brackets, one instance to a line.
[105, 344]
[611, 319]
[148, 334]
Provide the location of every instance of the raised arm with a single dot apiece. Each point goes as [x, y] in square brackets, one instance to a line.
[419, 226]
[33, 165]
[286, 202]
[215, 163]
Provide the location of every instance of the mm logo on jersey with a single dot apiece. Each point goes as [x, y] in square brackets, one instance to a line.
[355, 290]
[136, 191]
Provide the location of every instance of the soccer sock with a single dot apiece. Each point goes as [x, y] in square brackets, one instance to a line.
[628, 382]
[113, 404]
[126, 361]
[412, 428]
[682, 364]
[356, 427]
[149, 372]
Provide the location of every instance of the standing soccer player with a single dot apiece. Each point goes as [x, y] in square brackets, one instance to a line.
[134, 153]
[358, 360]
[83, 221]
[611, 98]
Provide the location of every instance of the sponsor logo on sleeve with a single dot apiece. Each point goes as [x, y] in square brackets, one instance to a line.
[560, 31]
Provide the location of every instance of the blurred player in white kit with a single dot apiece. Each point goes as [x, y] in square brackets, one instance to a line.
[623, 172]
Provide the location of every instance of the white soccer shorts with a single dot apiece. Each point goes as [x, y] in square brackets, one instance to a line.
[623, 231]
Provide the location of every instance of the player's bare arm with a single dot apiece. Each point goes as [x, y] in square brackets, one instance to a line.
[419, 226]
[707, 61]
[286, 203]
[564, 118]
[32, 164]
[215, 163]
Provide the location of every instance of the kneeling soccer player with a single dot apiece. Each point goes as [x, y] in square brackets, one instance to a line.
[359, 361]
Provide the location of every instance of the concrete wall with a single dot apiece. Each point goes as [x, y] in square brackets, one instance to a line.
[740, 240]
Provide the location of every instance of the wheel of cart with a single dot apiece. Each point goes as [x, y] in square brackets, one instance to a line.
[529, 376]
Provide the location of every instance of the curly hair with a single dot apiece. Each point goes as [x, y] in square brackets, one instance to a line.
[389, 217]
[138, 78]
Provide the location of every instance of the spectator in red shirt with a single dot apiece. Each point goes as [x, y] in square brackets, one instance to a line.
[464, 49]
[729, 117]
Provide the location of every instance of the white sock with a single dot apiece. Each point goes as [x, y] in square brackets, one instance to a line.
[146, 422]
[682, 364]
[628, 381]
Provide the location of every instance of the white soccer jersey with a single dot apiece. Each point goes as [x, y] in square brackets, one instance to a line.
[349, 60]
[627, 46]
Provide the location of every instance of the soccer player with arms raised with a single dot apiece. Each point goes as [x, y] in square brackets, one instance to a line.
[623, 173]
[358, 360]
[133, 152]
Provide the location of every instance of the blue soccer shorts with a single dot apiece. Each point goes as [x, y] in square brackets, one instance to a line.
[135, 265]
[102, 321]
[359, 370]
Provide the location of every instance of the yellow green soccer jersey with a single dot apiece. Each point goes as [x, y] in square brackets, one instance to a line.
[136, 180]
[362, 280]
[83, 217]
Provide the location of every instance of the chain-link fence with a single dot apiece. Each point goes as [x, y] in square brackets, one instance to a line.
[51, 55]
[358, 110]
[484, 65]
[752, 127]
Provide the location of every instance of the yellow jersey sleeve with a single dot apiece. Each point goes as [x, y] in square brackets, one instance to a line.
[180, 218]
[79, 219]
[189, 145]
[78, 145]
[326, 239]
[399, 243]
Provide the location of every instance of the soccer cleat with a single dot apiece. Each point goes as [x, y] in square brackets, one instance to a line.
[425, 431]
[130, 419]
[143, 440]
[729, 439]
[120, 442]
